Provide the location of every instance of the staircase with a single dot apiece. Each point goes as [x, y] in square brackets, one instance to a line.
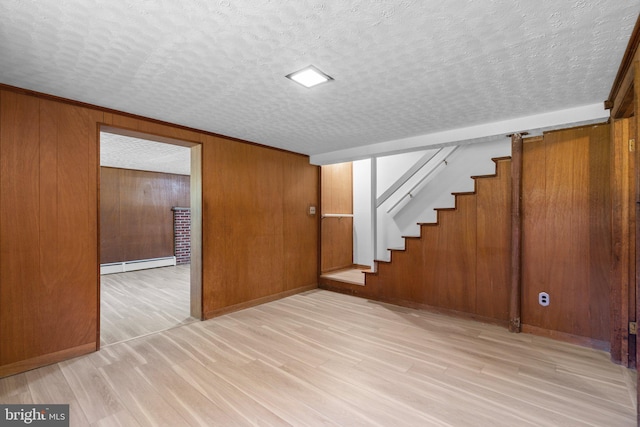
[459, 263]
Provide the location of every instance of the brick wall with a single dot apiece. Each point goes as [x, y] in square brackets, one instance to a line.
[182, 234]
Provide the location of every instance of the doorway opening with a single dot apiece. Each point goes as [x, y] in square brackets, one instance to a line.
[150, 234]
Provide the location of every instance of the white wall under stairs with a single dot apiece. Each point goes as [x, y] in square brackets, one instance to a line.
[434, 192]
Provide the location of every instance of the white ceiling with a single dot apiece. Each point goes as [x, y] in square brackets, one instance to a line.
[126, 152]
[408, 73]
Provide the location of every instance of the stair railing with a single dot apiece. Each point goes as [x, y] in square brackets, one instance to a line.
[433, 161]
[435, 167]
[406, 177]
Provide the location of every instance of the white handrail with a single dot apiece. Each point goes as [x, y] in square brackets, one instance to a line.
[406, 177]
[433, 169]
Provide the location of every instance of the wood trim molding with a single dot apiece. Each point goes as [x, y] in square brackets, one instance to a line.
[131, 132]
[47, 359]
[195, 200]
[516, 231]
[441, 310]
[625, 65]
[343, 287]
[563, 336]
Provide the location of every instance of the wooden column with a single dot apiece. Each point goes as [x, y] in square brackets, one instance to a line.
[516, 231]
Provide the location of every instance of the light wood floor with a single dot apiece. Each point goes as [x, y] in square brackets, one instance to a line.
[322, 358]
[142, 302]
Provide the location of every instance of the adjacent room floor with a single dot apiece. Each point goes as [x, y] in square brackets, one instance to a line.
[322, 358]
[142, 302]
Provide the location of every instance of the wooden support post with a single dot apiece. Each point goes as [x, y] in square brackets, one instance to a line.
[516, 231]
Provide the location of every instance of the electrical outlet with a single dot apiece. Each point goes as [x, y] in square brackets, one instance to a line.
[543, 299]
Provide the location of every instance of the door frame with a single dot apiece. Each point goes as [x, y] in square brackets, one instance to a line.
[196, 213]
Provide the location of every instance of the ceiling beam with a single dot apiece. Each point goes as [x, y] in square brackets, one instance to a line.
[535, 125]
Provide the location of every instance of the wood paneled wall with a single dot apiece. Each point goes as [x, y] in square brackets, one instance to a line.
[136, 221]
[460, 263]
[255, 220]
[48, 231]
[258, 238]
[623, 199]
[259, 242]
[566, 232]
[337, 233]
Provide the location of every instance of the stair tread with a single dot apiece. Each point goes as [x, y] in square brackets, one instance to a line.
[501, 159]
[484, 176]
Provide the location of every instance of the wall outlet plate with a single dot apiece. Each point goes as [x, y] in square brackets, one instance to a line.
[543, 299]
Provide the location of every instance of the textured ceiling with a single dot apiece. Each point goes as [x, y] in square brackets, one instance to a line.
[133, 153]
[402, 68]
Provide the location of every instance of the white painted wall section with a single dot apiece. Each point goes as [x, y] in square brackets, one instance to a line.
[362, 244]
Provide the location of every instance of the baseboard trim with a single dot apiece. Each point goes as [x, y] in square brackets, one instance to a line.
[258, 301]
[566, 337]
[46, 359]
[342, 287]
[446, 311]
[143, 264]
[363, 292]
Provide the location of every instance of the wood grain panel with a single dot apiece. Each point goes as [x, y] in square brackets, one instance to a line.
[414, 282]
[49, 248]
[301, 229]
[336, 233]
[434, 276]
[621, 265]
[111, 248]
[599, 228]
[458, 249]
[562, 233]
[141, 221]
[337, 188]
[19, 225]
[534, 219]
[68, 295]
[243, 238]
[337, 243]
[566, 231]
[493, 201]
[146, 219]
[402, 278]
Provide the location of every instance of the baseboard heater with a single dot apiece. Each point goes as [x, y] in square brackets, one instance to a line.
[141, 264]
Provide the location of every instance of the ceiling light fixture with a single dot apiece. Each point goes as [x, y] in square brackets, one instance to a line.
[309, 76]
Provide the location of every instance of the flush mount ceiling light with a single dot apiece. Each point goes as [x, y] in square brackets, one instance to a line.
[309, 76]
